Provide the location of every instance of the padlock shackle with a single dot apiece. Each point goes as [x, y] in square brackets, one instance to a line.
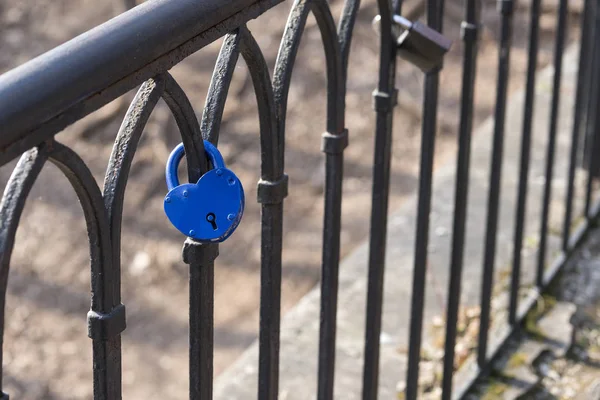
[213, 154]
[403, 22]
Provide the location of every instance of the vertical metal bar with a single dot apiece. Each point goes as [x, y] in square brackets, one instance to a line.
[15, 195]
[589, 23]
[506, 9]
[592, 143]
[555, 102]
[590, 177]
[592, 122]
[334, 141]
[384, 100]
[469, 33]
[377, 248]
[330, 274]
[422, 234]
[106, 304]
[271, 190]
[583, 73]
[528, 111]
[270, 305]
[107, 368]
[435, 12]
[200, 258]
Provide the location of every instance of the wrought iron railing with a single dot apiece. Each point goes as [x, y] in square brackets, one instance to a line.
[42, 97]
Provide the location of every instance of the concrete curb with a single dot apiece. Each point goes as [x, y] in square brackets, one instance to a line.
[300, 326]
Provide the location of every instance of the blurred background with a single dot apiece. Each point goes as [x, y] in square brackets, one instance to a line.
[47, 352]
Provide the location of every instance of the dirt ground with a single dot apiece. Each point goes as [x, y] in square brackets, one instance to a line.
[47, 352]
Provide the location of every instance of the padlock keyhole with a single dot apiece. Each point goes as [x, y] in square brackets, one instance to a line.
[212, 220]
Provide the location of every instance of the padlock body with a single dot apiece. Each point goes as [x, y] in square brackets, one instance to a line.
[209, 210]
[423, 46]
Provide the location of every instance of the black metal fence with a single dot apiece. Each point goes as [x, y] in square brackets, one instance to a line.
[45, 95]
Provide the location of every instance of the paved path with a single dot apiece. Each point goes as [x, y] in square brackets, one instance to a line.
[299, 336]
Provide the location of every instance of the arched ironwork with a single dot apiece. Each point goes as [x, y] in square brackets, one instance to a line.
[41, 98]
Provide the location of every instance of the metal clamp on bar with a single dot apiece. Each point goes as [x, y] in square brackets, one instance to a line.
[384, 102]
[106, 326]
[334, 144]
[418, 43]
[272, 192]
[198, 252]
[468, 32]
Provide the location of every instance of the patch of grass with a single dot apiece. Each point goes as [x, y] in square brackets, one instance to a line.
[549, 301]
[516, 360]
[531, 242]
[495, 389]
[555, 230]
[577, 221]
[545, 303]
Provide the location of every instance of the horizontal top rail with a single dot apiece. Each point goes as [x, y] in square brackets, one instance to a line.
[96, 67]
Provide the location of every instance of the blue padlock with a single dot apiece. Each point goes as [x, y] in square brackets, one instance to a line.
[209, 210]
